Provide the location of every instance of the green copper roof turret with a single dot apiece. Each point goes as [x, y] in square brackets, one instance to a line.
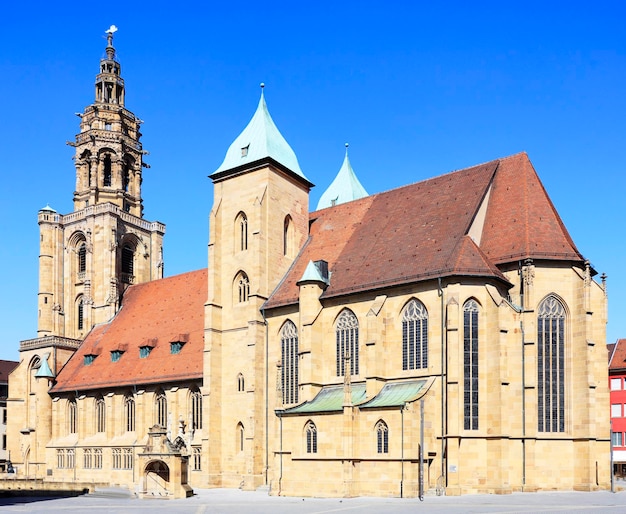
[345, 188]
[259, 140]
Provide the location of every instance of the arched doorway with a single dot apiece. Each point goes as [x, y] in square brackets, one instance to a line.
[157, 479]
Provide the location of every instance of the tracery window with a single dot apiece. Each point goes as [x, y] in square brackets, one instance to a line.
[311, 437]
[196, 409]
[196, 460]
[289, 358]
[241, 231]
[100, 415]
[414, 336]
[97, 458]
[87, 458]
[160, 407]
[347, 335]
[551, 365]
[382, 437]
[470, 365]
[72, 416]
[243, 287]
[129, 413]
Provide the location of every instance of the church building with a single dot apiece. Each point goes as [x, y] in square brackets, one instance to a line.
[443, 337]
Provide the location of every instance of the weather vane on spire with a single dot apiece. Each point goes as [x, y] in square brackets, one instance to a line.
[109, 32]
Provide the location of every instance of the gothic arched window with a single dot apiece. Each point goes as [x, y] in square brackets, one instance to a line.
[241, 231]
[160, 409]
[470, 365]
[311, 437]
[100, 415]
[347, 334]
[289, 358]
[551, 365]
[240, 437]
[196, 409]
[129, 413]
[415, 336]
[382, 437]
[289, 235]
[72, 416]
[243, 287]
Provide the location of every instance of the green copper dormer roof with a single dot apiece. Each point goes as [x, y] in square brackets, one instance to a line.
[345, 188]
[316, 272]
[44, 370]
[260, 140]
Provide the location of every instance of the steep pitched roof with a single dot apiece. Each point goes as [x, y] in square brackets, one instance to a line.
[617, 358]
[5, 369]
[260, 139]
[154, 314]
[521, 220]
[344, 188]
[405, 235]
[422, 231]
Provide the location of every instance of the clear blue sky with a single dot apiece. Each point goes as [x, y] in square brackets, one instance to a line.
[417, 89]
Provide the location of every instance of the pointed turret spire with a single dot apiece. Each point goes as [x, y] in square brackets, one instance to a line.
[260, 140]
[109, 82]
[345, 188]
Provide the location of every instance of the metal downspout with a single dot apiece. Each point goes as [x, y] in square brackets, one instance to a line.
[421, 470]
[521, 324]
[280, 474]
[266, 395]
[443, 401]
[402, 451]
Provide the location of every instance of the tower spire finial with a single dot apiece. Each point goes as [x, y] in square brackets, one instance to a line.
[110, 49]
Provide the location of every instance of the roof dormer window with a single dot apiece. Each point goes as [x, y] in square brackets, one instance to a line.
[144, 351]
[116, 355]
[244, 151]
[176, 347]
[88, 359]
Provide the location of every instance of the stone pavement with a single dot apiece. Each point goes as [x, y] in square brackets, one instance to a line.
[226, 501]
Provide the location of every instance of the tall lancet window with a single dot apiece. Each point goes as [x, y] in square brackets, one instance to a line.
[415, 336]
[289, 236]
[241, 232]
[289, 358]
[470, 365]
[551, 365]
[347, 334]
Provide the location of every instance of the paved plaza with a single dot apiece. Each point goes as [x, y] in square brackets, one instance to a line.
[218, 501]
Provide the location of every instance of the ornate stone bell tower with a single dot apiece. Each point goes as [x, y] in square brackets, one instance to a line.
[88, 257]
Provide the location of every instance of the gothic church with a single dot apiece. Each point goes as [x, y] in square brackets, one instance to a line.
[446, 336]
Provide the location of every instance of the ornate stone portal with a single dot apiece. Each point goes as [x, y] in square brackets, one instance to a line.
[163, 467]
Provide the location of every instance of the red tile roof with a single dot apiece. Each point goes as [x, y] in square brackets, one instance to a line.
[153, 314]
[521, 219]
[5, 368]
[617, 358]
[420, 231]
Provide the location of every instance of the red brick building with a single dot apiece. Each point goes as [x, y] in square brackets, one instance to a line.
[617, 385]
